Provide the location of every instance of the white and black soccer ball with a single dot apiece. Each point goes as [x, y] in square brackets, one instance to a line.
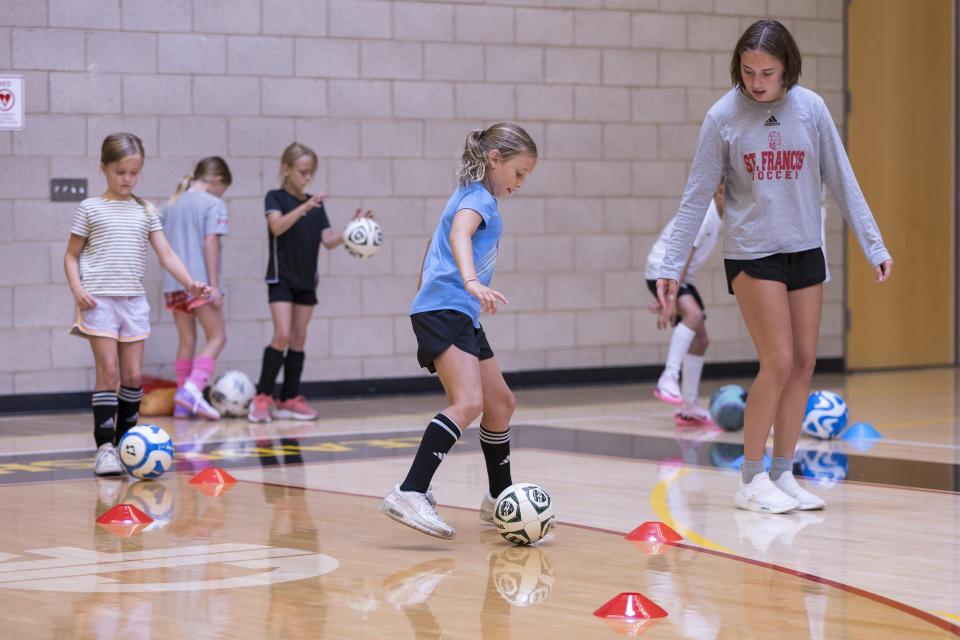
[146, 451]
[231, 393]
[523, 513]
[362, 237]
[523, 576]
[826, 415]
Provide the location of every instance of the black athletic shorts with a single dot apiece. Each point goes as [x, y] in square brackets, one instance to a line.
[685, 289]
[279, 292]
[436, 331]
[797, 270]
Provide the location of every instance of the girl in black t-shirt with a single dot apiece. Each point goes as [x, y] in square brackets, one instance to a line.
[297, 225]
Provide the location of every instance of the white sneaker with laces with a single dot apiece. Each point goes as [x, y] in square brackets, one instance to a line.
[487, 505]
[107, 461]
[789, 485]
[760, 494]
[668, 389]
[414, 510]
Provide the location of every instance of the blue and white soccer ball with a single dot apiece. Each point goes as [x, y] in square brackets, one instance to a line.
[826, 415]
[826, 467]
[146, 451]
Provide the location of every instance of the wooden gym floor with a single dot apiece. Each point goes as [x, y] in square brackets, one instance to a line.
[298, 549]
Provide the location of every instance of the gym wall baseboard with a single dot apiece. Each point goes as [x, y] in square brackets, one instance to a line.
[330, 389]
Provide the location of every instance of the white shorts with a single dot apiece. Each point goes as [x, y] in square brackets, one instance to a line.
[122, 318]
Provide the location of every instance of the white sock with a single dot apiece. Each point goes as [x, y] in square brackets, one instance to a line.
[679, 345]
[690, 383]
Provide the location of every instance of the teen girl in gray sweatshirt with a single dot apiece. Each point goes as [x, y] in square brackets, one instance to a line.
[774, 143]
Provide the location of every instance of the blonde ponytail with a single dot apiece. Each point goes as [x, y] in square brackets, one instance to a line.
[508, 138]
[181, 187]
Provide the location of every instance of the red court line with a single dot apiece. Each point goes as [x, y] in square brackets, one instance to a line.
[946, 625]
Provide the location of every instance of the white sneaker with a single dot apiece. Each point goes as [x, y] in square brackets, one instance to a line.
[414, 510]
[668, 389]
[414, 586]
[760, 494]
[487, 505]
[107, 461]
[190, 397]
[789, 485]
[692, 415]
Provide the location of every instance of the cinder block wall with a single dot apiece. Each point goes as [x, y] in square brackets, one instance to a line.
[612, 90]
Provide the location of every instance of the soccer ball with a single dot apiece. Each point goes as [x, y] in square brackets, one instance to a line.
[362, 237]
[154, 499]
[523, 576]
[826, 467]
[727, 405]
[231, 392]
[826, 415]
[146, 451]
[523, 513]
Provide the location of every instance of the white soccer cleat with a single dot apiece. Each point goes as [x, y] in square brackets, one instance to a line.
[760, 494]
[107, 461]
[789, 485]
[414, 510]
[487, 506]
[668, 389]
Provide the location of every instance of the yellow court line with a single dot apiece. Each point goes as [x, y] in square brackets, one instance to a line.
[949, 616]
[658, 501]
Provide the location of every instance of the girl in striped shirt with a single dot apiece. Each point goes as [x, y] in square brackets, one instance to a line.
[105, 262]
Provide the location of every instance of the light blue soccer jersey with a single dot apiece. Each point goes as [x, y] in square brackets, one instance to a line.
[442, 286]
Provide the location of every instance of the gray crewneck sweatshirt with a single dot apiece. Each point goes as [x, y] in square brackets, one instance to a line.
[773, 156]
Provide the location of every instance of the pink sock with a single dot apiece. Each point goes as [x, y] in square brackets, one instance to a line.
[182, 367]
[202, 370]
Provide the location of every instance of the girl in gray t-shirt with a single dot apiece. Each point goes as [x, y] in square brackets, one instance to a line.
[194, 220]
[773, 142]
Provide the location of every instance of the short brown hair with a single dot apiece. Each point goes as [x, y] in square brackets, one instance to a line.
[772, 38]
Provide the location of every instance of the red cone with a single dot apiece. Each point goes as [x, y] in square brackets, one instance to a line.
[213, 475]
[630, 628]
[124, 514]
[630, 606]
[654, 532]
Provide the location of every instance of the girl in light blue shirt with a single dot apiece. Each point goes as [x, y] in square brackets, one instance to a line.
[454, 289]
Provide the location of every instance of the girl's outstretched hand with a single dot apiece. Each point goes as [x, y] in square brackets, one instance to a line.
[488, 297]
[317, 199]
[667, 297]
[882, 271]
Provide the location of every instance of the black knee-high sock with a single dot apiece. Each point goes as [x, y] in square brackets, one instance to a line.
[496, 453]
[292, 369]
[128, 410]
[272, 363]
[104, 416]
[441, 434]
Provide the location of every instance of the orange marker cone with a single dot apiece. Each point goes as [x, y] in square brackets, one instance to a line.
[124, 520]
[654, 532]
[213, 482]
[213, 475]
[630, 606]
[124, 514]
